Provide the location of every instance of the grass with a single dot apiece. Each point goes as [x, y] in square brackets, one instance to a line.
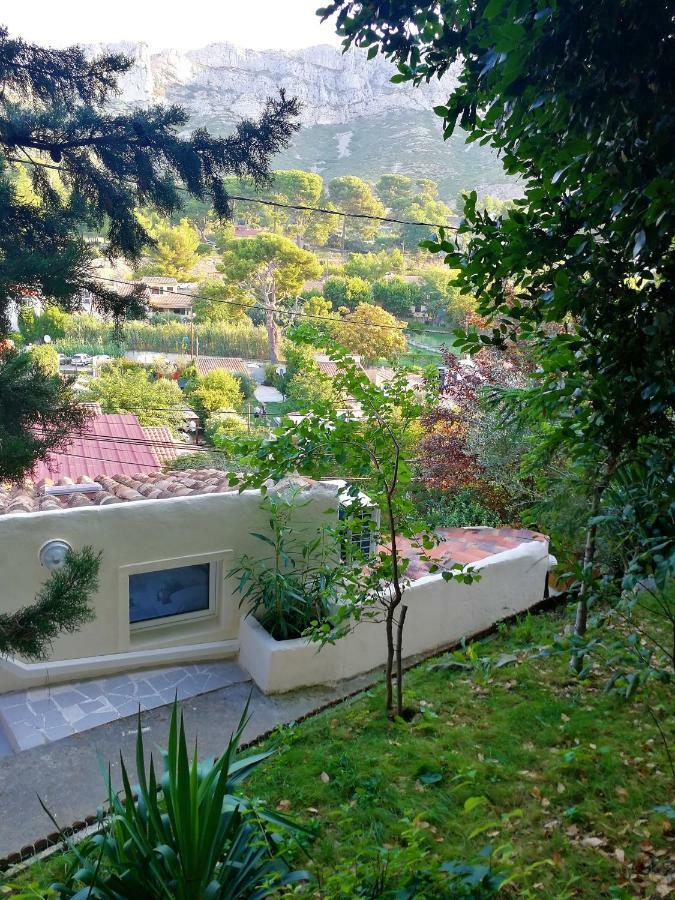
[519, 755]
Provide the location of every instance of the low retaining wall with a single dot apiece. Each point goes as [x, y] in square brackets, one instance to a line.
[439, 613]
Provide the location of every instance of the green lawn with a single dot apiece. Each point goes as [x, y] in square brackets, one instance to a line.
[520, 756]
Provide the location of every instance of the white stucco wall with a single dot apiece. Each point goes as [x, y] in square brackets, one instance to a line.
[204, 528]
[439, 613]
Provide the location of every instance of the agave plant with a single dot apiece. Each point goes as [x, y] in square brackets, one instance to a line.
[185, 836]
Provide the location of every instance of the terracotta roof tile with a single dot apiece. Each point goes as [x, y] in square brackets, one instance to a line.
[29, 496]
[109, 444]
[233, 364]
[162, 438]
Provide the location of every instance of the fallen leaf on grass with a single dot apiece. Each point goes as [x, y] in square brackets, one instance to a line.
[621, 792]
[283, 805]
[620, 855]
[594, 842]
[325, 777]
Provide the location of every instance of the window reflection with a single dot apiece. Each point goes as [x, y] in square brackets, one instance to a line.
[168, 592]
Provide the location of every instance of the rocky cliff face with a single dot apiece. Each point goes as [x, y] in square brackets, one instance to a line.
[355, 121]
[225, 82]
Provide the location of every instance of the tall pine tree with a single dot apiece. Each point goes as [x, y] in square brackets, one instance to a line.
[92, 167]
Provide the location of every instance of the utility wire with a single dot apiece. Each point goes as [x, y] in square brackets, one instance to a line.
[297, 315]
[263, 202]
[154, 466]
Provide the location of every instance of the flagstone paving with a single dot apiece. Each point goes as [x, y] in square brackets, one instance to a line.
[40, 715]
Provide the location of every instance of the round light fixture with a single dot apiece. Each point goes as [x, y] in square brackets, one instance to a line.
[52, 555]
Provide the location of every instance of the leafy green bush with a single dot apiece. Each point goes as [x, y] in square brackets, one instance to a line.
[453, 510]
[272, 376]
[296, 584]
[221, 428]
[184, 835]
[247, 386]
[46, 357]
[123, 386]
[215, 392]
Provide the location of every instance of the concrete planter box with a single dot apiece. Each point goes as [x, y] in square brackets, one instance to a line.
[439, 614]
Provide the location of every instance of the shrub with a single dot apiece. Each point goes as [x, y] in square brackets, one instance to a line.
[396, 295]
[247, 386]
[125, 387]
[347, 291]
[187, 834]
[46, 357]
[298, 583]
[218, 390]
[457, 509]
[221, 428]
[272, 377]
[309, 387]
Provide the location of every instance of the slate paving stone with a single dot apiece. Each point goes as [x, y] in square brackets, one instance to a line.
[42, 715]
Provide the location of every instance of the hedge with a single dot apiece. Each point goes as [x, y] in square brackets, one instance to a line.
[215, 338]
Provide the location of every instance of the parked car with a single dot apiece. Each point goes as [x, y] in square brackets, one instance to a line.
[64, 360]
[101, 360]
[81, 359]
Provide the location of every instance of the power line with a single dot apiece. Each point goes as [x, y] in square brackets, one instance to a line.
[264, 308]
[296, 206]
[298, 315]
[154, 466]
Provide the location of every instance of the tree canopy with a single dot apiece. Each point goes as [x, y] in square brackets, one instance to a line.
[371, 332]
[273, 269]
[132, 388]
[174, 251]
[91, 169]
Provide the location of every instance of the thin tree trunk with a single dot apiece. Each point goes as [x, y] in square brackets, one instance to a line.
[344, 235]
[390, 659]
[272, 332]
[399, 661]
[581, 620]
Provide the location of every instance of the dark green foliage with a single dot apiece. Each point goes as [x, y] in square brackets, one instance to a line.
[90, 170]
[298, 582]
[397, 295]
[453, 509]
[63, 604]
[582, 266]
[187, 834]
[247, 386]
[38, 413]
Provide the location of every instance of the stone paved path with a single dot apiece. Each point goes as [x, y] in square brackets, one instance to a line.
[66, 774]
[40, 715]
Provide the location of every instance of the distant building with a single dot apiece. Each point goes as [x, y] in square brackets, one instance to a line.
[167, 294]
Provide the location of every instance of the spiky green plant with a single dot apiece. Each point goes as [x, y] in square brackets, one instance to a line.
[185, 836]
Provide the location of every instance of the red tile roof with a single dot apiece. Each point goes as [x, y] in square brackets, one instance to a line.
[233, 364]
[111, 444]
[162, 440]
[30, 496]
[465, 545]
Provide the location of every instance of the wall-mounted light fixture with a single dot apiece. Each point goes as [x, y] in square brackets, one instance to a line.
[52, 555]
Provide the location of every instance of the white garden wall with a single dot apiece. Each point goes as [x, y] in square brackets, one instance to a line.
[439, 613]
[142, 534]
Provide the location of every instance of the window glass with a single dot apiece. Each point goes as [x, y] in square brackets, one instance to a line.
[169, 592]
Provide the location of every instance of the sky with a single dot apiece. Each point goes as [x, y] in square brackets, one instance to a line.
[259, 24]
